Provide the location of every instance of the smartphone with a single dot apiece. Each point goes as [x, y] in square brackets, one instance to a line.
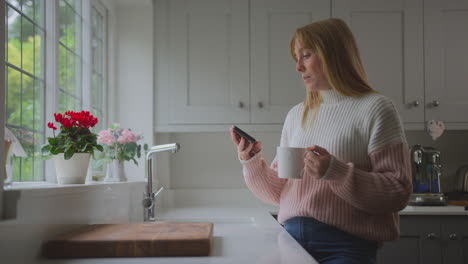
[243, 134]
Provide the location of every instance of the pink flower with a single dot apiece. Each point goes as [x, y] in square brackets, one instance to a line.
[105, 137]
[126, 137]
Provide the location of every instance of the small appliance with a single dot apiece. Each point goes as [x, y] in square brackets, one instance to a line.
[426, 174]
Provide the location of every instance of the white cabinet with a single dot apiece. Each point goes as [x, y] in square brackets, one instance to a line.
[446, 60]
[275, 85]
[208, 61]
[414, 52]
[221, 62]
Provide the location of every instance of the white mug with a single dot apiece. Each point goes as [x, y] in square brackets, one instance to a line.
[290, 162]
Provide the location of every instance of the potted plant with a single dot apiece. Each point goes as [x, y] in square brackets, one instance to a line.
[73, 146]
[120, 145]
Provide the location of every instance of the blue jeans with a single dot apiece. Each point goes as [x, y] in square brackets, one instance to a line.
[330, 245]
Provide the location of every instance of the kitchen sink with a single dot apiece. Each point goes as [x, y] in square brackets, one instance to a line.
[214, 220]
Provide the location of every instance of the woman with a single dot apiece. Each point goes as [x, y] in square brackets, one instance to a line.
[357, 170]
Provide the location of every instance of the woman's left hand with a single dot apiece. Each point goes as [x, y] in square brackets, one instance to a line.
[316, 161]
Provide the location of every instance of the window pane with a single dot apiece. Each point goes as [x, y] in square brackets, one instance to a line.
[64, 21]
[15, 3]
[39, 12]
[94, 88]
[13, 111]
[28, 8]
[27, 39]
[27, 104]
[38, 164]
[39, 48]
[70, 85]
[62, 69]
[25, 94]
[94, 22]
[39, 122]
[14, 35]
[100, 66]
[27, 169]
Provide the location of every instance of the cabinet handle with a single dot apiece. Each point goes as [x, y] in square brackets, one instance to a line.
[415, 103]
[435, 103]
[241, 104]
[431, 236]
[453, 236]
[260, 104]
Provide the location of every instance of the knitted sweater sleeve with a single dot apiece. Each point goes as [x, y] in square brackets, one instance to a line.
[387, 186]
[262, 179]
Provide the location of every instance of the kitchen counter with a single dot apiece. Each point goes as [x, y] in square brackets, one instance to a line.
[241, 235]
[244, 230]
[434, 210]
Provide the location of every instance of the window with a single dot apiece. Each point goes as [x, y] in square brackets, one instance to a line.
[70, 56]
[24, 93]
[98, 72]
[81, 27]
[98, 51]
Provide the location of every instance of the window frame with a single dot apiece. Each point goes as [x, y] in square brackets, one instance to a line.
[21, 70]
[51, 68]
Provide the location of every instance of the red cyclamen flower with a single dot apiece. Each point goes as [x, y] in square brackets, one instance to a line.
[81, 119]
[58, 117]
[51, 125]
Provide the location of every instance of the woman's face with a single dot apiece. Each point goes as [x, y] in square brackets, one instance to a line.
[310, 67]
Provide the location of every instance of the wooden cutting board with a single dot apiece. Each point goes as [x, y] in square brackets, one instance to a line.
[133, 240]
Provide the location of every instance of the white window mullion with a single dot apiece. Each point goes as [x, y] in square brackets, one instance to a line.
[87, 60]
[51, 76]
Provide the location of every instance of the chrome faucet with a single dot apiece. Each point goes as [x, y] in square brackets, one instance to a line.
[149, 196]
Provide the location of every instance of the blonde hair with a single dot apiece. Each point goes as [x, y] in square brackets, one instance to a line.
[333, 42]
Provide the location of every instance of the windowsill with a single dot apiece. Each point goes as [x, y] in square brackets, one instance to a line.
[53, 189]
[37, 186]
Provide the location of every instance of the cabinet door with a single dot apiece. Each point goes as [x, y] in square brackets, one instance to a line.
[419, 242]
[446, 59]
[275, 84]
[389, 35]
[454, 238]
[209, 62]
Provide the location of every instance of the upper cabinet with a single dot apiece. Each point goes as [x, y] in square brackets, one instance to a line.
[446, 61]
[208, 61]
[414, 52]
[221, 62]
[275, 86]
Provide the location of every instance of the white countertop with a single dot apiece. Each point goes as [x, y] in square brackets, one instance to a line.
[240, 235]
[244, 230]
[434, 210]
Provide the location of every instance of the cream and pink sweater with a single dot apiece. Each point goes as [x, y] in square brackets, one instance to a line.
[369, 177]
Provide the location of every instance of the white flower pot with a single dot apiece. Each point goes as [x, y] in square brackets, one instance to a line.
[72, 171]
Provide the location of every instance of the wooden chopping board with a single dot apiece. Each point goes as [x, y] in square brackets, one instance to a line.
[133, 240]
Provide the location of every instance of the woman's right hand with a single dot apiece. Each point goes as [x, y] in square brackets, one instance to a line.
[245, 149]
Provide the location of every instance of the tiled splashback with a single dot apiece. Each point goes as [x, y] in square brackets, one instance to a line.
[209, 160]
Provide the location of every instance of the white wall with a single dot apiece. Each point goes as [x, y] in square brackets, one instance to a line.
[209, 160]
[134, 80]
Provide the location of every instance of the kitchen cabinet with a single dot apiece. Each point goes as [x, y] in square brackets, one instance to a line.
[228, 61]
[428, 239]
[275, 85]
[209, 58]
[414, 52]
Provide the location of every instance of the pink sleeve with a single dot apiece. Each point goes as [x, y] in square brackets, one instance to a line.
[262, 180]
[386, 188]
